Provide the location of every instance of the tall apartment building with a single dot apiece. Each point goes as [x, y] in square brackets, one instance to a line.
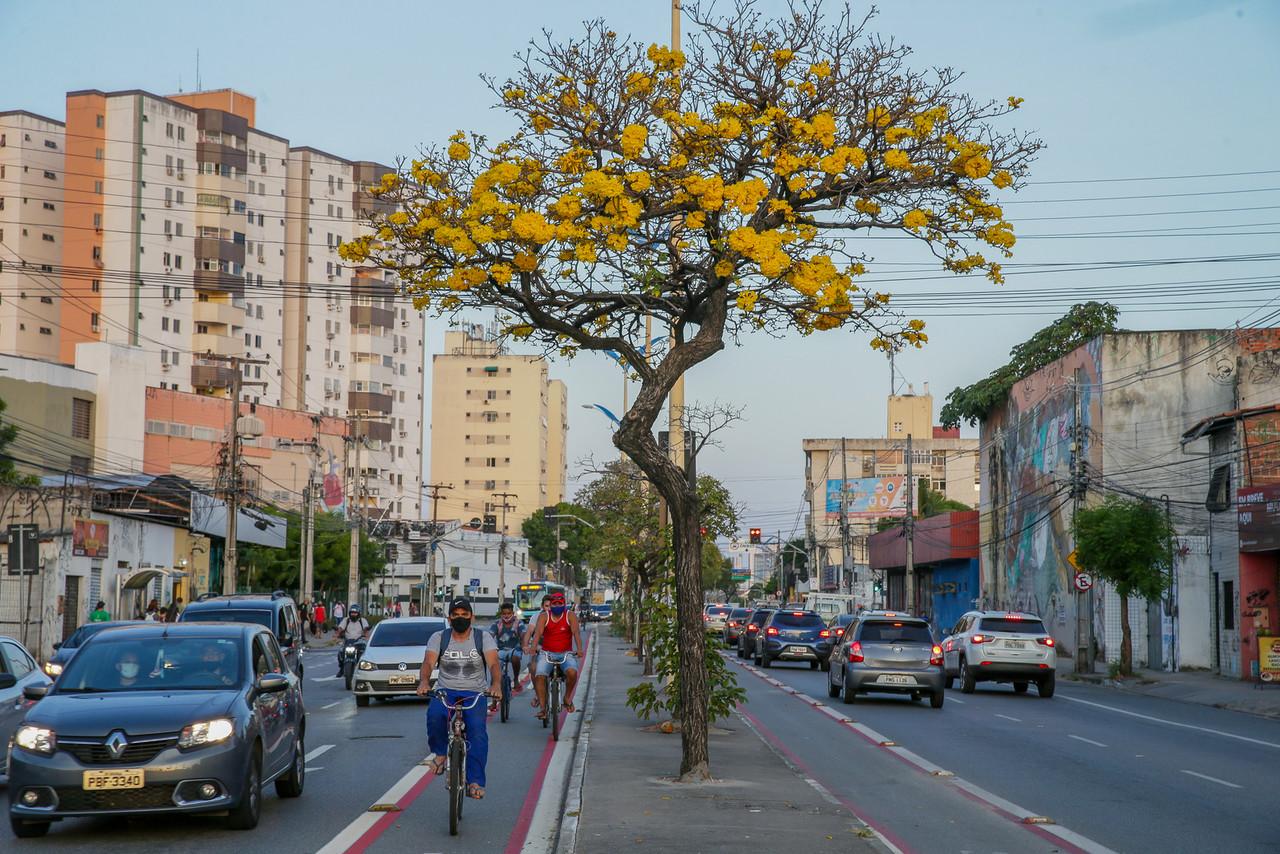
[498, 425]
[31, 198]
[853, 483]
[192, 234]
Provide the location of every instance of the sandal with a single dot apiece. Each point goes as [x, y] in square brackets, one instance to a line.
[541, 715]
[476, 791]
[535, 702]
[568, 707]
[438, 765]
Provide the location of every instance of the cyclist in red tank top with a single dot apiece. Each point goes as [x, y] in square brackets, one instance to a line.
[557, 631]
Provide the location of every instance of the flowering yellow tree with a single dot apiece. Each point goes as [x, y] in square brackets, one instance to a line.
[716, 191]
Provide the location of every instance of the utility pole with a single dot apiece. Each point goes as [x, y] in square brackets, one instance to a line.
[502, 545]
[845, 583]
[429, 575]
[231, 493]
[910, 531]
[355, 515]
[1084, 599]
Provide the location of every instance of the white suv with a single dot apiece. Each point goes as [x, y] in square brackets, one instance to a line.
[1000, 646]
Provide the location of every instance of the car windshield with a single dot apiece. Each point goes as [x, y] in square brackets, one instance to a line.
[1031, 626]
[396, 633]
[112, 665]
[232, 615]
[740, 613]
[604, 609]
[760, 616]
[83, 633]
[798, 620]
[719, 612]
[892, 632]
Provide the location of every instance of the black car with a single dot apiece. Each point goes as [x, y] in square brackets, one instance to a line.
[735, 624]
[66, 650]
[793, 636]
[276, 611]
[751, 630]
[161, 718]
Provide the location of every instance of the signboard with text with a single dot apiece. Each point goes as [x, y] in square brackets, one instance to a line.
[1268, 658]
[1258, 513]
[89, 538]
[867, 497]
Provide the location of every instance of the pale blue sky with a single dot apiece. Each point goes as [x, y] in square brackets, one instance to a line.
[1116, 89]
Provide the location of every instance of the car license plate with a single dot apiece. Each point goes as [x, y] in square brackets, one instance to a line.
[798, 650]
[896, 679]
[122, 778]
[403, 679]
[1015, 644]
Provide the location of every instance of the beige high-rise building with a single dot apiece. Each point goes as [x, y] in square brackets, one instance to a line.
[498, 425]
[874, 472]
[31, 232]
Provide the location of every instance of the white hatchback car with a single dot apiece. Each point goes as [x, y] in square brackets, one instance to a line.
[1000, 646]
[393, 659]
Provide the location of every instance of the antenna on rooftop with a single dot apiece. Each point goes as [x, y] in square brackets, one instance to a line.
[198, 69]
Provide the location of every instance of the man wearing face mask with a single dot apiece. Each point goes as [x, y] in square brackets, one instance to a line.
[128, 668]
[557, 632]
[468, 666]
[509, 635]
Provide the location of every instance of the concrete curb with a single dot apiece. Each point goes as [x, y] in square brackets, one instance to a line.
[567, 839]
[545, 829]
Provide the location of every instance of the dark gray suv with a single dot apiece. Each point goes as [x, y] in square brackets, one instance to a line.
[187, 717]
[892, 654]
[276, 611]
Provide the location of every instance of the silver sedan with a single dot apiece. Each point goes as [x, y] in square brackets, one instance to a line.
[392, 660]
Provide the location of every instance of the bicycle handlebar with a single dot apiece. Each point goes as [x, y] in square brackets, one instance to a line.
[443, 696]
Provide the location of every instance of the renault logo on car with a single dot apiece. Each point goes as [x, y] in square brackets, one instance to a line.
[116, 743]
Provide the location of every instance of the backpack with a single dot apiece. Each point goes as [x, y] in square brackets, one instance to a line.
[447, 633]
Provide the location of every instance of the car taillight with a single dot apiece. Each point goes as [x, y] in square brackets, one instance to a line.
[1045, 641]
[982, 638]
[855, 652]
[936, 656]
[771, 631]
[706, 618]
[752, 627]
[839, 632]
[825, 633]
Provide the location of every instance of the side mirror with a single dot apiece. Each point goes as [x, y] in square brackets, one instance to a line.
[31, 692]
[8, 680]
[271, 683]
[57, 644]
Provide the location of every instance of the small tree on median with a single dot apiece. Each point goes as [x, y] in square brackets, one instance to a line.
[714, 192]
[1126, 542]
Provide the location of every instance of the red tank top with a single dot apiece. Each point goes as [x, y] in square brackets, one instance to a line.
[556, 634]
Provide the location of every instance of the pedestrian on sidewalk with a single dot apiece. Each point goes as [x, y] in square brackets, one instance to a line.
[317, 620]
[100, 613]
[338, 612]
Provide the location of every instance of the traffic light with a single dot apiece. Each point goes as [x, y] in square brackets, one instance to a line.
[754, 534]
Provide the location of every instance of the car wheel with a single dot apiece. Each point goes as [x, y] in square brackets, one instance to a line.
[755, 658]
[742, 653]
[362, 700]
[1019, 687]
[290, 785]
[935, 699]
[245, 814]
[967, 681]
[951, 681]
[28, 829]
[1046, 685]
[813, 665]
[832, 690]
[765, 661]
[847, 694]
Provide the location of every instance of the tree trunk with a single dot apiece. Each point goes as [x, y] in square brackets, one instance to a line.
[695, 764]
[1126, 639]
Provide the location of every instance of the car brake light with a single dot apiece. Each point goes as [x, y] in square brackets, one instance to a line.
[839, 631]
[936, 657]
[706, 618]
[855, 652]
[771, 631]
[752, 627]
[825, 633]
[733, 624]
[1045, 641]
[1012, 617]
[982, 638]
[797, 613]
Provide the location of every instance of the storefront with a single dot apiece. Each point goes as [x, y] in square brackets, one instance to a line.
[1258, 509]
[945, 562]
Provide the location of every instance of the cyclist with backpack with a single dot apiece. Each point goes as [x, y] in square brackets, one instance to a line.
[468, 660]
[508, 632]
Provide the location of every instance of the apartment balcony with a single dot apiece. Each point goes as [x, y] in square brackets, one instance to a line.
[371, 286]
[368, 315]
[209, 376]
[379, 431]
[216, 280]
[368, 401]
[213, 152]
[221, 345]
[222, 250]
[222, 313]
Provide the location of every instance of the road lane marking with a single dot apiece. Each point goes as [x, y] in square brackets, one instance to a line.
[954, 700]
[325, 678]
[1086, 740]
[1212, 779]
[406, 789]
[1009, 718]
[1209, 730]
[331, 705]
[319, 751]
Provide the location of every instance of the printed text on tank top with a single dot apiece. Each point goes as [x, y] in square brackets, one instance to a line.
[556, 634]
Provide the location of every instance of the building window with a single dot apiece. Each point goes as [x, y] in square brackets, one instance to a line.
[50, 175]
[44, 330]
[49, 206]
[81, 417]
[93, 321]
[1229, 605]
[96, 285]
[97, 187]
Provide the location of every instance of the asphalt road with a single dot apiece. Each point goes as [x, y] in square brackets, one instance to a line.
[1109, 770]
[356, 757]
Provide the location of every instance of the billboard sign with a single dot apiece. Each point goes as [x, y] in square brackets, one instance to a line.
[1258, 512]
[867, 497]
[89, 538]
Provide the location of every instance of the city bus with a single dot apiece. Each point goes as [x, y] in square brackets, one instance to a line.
[529, 597]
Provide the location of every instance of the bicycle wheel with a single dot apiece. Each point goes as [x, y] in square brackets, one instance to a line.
[457, 785]
[506, 698]
[554, 711]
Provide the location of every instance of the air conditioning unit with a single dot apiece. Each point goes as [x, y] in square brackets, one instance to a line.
[403, 434]
[329, 335]
[168, 300]
[168, 203]
[342, 367]
[97, 229]
[169, 237]
[168, 171]
[165, 367]
[182, 176]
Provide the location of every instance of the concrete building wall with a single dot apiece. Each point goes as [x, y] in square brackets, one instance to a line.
[119, 414]
[557, 440]
[40, 399]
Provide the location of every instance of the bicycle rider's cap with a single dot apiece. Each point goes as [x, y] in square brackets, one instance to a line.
[557, 598]
[461, 603]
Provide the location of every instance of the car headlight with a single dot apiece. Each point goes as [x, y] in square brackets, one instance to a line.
[365, 664]
[206, 732]
[53, 669]
[36, 739]
[351, 650]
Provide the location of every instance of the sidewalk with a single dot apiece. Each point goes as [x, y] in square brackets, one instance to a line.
[630, 803]
[1196, 686]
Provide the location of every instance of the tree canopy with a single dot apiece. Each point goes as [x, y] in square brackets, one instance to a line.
[278, 569]
[1081, 324]
[579, 538]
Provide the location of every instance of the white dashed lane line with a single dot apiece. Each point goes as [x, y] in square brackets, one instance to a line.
[1167, 722]
[1010, 718]
[1086, 740]
[1212, 779]
[331, 705]
[319, 751]
[325, 678]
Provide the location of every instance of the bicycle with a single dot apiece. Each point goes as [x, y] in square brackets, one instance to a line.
[456, 763]
[507, 684]
[554, 683]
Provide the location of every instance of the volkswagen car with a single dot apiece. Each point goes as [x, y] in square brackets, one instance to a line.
[160, 718]
[392, 661]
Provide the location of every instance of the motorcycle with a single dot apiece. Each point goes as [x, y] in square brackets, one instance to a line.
[351, 652]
